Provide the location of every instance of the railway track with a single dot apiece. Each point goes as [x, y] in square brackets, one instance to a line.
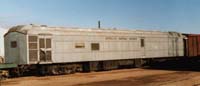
[125, 77]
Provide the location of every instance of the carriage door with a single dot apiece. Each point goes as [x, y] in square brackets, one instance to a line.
[45, 52]
[177, 48]
[142, 45]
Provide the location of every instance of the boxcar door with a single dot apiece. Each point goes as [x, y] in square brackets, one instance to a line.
[45, 53]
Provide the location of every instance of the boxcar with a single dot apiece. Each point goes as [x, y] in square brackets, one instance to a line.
[192, 45]
[32, 44]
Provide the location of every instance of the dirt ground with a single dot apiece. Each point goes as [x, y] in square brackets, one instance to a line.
[125, 77]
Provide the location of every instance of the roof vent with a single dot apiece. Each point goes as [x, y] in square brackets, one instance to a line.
[99, 24]
[32, 24]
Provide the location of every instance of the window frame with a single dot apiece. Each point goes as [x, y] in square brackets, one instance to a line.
[13, 44]
[95, 46]
[142, 42]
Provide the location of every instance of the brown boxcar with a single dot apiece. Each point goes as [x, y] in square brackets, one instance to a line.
[192, 45]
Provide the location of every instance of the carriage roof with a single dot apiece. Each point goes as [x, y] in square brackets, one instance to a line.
[36, 29]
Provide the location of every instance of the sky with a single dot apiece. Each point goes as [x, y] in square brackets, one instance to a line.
[2, 31]
[162, 15]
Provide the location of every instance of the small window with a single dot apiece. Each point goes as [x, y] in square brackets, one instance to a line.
[13, 44]
[142, 42]
[95, 46]
[79, 45]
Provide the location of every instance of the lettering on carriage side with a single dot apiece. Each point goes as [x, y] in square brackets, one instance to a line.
[132, 38]
[111, 38]
[122, 38]
[80, 45]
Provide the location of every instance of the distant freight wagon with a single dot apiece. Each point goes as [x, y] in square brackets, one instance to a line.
[58, 50]
[192, 45]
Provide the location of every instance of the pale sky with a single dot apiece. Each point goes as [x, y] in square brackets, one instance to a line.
[2, 32]
[163, 15]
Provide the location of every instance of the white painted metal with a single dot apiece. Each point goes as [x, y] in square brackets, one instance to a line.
[114, 44]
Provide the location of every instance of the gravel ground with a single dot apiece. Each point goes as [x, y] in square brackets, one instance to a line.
[125, 77]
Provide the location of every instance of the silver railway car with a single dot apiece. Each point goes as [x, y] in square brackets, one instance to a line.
[32, 44]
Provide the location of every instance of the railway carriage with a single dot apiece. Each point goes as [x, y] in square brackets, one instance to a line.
[53, 49]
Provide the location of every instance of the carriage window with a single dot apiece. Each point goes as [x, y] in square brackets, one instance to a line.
[32, 39]
[48, 43]
[33, 55]
[41, 42]
[142, 42]
[32, 45]
[95, 46]
[79, 45]
[13, 44]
